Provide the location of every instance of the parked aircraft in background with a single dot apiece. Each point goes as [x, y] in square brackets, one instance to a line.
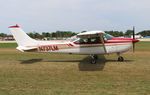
[90, 43]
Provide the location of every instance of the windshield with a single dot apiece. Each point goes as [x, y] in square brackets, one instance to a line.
[73, 39]
[107, 36]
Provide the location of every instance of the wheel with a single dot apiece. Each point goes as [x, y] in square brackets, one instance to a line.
[93, 61]
[120, 58]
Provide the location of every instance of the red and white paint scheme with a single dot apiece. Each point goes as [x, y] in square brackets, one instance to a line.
[91, 43]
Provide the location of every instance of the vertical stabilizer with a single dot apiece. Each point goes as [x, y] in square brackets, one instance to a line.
[21, 37]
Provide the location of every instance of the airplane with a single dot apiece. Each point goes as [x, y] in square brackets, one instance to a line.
[91, 43]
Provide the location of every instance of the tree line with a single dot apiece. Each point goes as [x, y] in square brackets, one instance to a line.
[65, 34]
[49, 35]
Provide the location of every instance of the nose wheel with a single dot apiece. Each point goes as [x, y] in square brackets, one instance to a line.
[94, 59]
[120, 58]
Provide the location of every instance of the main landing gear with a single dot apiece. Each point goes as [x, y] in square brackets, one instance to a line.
[120, 58]
[94, 59]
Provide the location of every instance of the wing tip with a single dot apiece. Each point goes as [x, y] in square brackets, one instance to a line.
[14, 26]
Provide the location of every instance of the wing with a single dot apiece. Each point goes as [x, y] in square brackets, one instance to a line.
[90, 34]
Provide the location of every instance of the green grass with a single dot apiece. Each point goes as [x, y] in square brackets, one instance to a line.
[8, 45]
[62, 74]
[142, 46]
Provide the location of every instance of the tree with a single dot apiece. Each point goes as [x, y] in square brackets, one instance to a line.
[46, 34]
[129, 33]
[54, 35]
[3, 35]
[144, 33]
[31, 35]
[115, 33]
[35, 35]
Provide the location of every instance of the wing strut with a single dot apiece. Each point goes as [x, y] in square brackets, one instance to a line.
[103, 43]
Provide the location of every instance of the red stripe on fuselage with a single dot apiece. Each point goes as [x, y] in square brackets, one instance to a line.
[118, 41]
[121, 40]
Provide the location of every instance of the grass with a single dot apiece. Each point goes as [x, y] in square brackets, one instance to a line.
[8, 45]
[62, 74]
[143, 46]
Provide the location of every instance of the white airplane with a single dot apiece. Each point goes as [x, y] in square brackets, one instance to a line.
[91, 43]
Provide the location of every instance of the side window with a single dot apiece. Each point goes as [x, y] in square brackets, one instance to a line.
[82, 41]
[93, 40]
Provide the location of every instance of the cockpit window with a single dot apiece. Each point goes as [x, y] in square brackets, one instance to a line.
[74, 39]
[93, 40]
[107, 36]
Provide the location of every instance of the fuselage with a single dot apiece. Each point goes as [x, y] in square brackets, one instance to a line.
[91, 42]
[113, 45]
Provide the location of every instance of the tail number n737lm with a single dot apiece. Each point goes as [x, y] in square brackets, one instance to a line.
[48, 48]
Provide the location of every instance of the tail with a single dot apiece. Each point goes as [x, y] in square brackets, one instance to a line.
[22, 39]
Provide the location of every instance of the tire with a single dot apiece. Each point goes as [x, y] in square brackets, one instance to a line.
[93, 61]
[120, 59]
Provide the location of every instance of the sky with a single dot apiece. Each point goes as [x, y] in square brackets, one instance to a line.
[74, 15]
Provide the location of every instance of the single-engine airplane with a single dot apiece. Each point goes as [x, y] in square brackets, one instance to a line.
[90, 43]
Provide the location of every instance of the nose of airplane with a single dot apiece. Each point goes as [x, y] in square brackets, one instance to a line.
[135, 40]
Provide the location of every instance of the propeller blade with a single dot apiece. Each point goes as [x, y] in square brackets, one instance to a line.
[133, 32]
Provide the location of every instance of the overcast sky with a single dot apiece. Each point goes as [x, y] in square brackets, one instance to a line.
[74, 15]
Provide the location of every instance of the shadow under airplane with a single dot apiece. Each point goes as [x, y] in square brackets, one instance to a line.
[84, 64]
[30, 61]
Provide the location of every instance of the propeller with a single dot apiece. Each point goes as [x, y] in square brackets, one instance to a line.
[133, 38]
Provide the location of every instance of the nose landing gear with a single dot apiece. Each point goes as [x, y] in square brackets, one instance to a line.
[120, 58]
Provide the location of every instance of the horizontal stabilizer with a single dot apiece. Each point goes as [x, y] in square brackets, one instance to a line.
[22, 48]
